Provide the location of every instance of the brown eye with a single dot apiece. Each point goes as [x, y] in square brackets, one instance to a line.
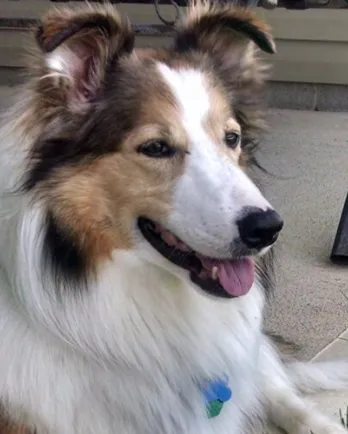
[157, 149]
[232, 139]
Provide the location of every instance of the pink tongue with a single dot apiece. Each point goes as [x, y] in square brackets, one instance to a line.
[235, 276]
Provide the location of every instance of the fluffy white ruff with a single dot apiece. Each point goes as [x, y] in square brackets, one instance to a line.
[129, 355]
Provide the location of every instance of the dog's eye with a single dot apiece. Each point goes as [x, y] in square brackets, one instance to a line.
[232, 139]
[156, 149]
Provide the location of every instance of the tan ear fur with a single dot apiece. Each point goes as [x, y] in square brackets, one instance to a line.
[207, 22]
[78, 47]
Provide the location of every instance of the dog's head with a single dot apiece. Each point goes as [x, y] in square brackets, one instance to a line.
[144, 150]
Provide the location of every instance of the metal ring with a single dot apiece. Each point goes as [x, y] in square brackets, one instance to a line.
[160, 16]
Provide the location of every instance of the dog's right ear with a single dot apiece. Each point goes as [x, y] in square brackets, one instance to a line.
[223, 31]
[78, 48]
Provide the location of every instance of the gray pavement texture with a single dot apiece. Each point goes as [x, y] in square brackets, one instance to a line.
[310, 150]
[307, 152]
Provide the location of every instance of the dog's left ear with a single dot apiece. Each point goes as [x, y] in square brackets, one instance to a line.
[222, 30]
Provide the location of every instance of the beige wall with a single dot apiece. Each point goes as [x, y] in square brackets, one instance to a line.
[312, 45]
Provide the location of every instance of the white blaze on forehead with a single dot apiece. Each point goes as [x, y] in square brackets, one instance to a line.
[190, 92]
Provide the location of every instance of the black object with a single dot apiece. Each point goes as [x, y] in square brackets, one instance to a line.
[294, 4]
[339, 254]
[259, 229]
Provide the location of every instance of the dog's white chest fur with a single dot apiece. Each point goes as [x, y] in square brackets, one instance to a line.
[149, 356]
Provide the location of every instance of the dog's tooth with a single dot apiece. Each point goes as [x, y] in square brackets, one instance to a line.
[169, 238]
[214, 273]
[157, 228]
[182, 246]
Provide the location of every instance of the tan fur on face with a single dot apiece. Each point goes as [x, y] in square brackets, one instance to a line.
[99, 202]
[10, 429]
[220, 120]
[219, 112]
[7, 427]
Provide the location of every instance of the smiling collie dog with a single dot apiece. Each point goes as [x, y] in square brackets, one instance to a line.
[135, 251]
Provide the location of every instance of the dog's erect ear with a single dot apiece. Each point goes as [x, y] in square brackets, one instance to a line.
[221, 30]
[79, 46]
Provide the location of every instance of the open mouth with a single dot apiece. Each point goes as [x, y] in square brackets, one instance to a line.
[225, 278]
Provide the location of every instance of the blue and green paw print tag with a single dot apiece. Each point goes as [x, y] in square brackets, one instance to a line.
[216, 393]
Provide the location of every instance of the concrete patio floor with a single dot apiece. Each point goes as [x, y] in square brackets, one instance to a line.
[310, 149]
[310, 306]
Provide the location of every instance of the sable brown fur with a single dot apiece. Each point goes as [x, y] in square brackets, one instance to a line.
[8, 427]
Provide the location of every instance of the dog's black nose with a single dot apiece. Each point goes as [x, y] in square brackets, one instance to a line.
[258, 229]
